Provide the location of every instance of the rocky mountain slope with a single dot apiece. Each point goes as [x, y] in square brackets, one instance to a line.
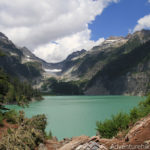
[119, 65]
[11, 61]
[20, 61]
[92, 61]
[127, 70]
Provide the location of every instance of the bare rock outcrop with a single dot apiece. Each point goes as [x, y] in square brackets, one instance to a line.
[84, 143]
[138, 128]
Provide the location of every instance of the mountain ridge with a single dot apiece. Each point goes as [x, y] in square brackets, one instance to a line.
[132, 81]
[85, 65]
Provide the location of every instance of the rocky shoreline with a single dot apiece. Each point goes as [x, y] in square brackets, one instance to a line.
[137, 138]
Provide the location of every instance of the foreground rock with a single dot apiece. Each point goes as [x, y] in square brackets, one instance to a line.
[140, 133]
[76, 143]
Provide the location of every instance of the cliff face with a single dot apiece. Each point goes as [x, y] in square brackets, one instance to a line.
[123, 69]
[11, 61]
[126, 74]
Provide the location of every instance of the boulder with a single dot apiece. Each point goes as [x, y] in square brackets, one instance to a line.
[42, 147]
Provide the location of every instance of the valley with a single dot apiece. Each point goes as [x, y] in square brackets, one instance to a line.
[118, 66]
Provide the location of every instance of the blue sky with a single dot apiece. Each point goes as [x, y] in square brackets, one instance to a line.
[118, 18]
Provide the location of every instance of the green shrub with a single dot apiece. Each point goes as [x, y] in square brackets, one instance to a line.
[1, 119]
[39, 122]
[145, 103]
[145, 111]
[106, 128]
[11, 116]
[110, 128]
[121, 121]
[135, 114]
[49, 135]
[9, 131]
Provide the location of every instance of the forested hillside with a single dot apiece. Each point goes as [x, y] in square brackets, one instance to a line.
[16, 92]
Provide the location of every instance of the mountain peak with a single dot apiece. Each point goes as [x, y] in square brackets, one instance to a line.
[115, 38]
[142, 32]
[128, 36]
[3, 36]
[75, 54]
[143, 35]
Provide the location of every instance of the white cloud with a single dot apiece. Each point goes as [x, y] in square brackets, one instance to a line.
[143, 23]
[35, 23]
[59, 50]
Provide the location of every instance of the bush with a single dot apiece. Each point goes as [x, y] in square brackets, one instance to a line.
[106, 128]
[145, 103]
[135, 114]
[39, 122]
[11, 116]
[49, 136]
[27, 136]
[1, 119]
[110, 128]
[121, 121]
[9, 131]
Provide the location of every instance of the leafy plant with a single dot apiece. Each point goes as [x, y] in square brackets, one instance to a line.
[11, 116]
[110, 128]
[1, 119]
[49, 135]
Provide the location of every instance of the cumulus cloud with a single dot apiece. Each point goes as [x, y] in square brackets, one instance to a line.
[59, 50]
[36, 24]
[143, 23]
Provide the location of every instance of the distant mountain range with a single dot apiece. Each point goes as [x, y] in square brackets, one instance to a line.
[119, 65]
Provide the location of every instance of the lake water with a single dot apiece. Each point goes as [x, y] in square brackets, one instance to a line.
[70, 116]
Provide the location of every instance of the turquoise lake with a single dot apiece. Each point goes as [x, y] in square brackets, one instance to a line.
[70, 116]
